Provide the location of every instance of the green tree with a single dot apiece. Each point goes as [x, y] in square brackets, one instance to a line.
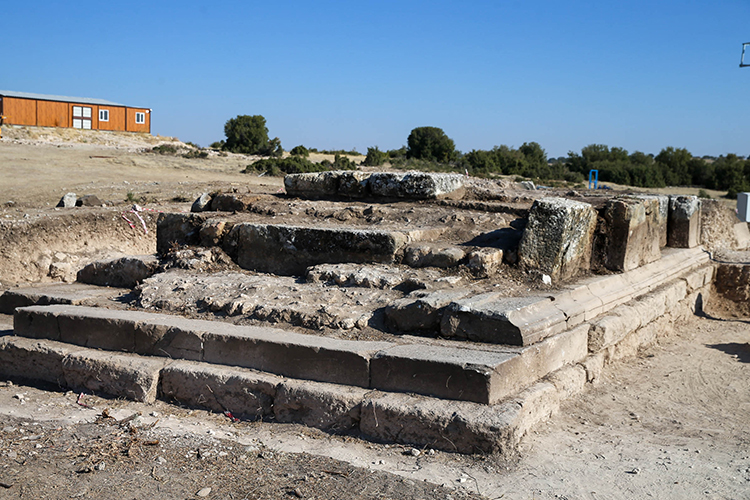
[375, 157]
[249, 135]
[430, 143]
[675, 165]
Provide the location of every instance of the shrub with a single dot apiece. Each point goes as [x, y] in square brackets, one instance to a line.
[702, 193]
[375, 157]
[196, 153]
[164, 149]
[299, 151]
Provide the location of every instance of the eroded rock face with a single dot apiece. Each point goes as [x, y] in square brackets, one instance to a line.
[67, 201]
[684, 221]
[201, 204]
[557, 239]
[312, 184]
[290, 250]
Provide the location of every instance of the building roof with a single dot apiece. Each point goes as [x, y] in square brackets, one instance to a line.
[61, 98]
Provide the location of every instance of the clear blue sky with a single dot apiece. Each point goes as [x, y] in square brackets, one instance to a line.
[352, 74]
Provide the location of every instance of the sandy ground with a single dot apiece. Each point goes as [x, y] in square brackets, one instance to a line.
[671, 423]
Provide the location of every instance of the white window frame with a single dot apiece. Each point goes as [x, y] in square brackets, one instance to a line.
[140, 118]
[103, 115]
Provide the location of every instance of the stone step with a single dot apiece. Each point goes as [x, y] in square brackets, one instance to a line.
[495, 318]
[456, 426]
[447, 371]
[58, 293]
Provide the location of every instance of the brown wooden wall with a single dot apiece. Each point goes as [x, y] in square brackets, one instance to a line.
[138, 127]
[19, 111]
[116, 118]
[52, 114]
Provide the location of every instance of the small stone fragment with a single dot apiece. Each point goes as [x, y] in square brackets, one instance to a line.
[204, 492]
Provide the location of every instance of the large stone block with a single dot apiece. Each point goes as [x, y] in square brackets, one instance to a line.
[631, 240]
[245, 393]
[312, 184]
[420, 311]
[417, 185]
[324, 406]
[462, 427]
[126, 272]
[557, 239]
[289, 250]
[495, 318]
[684, 221]
[33, 359]
[57, 293]
[129, 376]
[292, 354]
[657, 212]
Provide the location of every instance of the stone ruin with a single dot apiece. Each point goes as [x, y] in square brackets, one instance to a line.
[396, 306]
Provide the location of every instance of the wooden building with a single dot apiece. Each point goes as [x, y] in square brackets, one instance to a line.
[22, 108]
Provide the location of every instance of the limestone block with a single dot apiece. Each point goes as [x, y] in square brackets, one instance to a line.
[461, 427]
[201, 204]
[483, 261]
[67, 201]
[631, 240]
[212, 232]
[125, 272]
[557, 238]
[122, 375]
[313, 184]
[425, 255]
[289, 250]
[495, 318]
[353, 184]
[684, 221]
[324, 406]
[247, 394]
[742, 235]
[417, 185]
[29, 358]
[89, 200]
[657, 211]
[420, 311]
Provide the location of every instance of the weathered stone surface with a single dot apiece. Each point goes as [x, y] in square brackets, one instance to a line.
[417, 185]
[657, 211]
[177, 229]
[497, 319]
[420, 311]
[483, 261]
[742, 235]
[684, 221]
[29, 358]
[58, 293]
[558, 237]
[122, 375]
[67, 201]
[631, 240]
[245, 393]
[444, 372]
[430, 255]
[353, 184]
[212, 232]
[230, 202]
[289, 250]
[462, 427]
[292, 354]
[324, 406]
[733, 283]
[126, 272]
[89, 200]
[201, 204]
[374, 276]
[612, 328]
[312, 184]
[129, 331]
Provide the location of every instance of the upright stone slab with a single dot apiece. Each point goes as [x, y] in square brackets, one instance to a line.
[630, 240]
[657, 212]
[290, 250]
[684, 221]
[557, 238]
